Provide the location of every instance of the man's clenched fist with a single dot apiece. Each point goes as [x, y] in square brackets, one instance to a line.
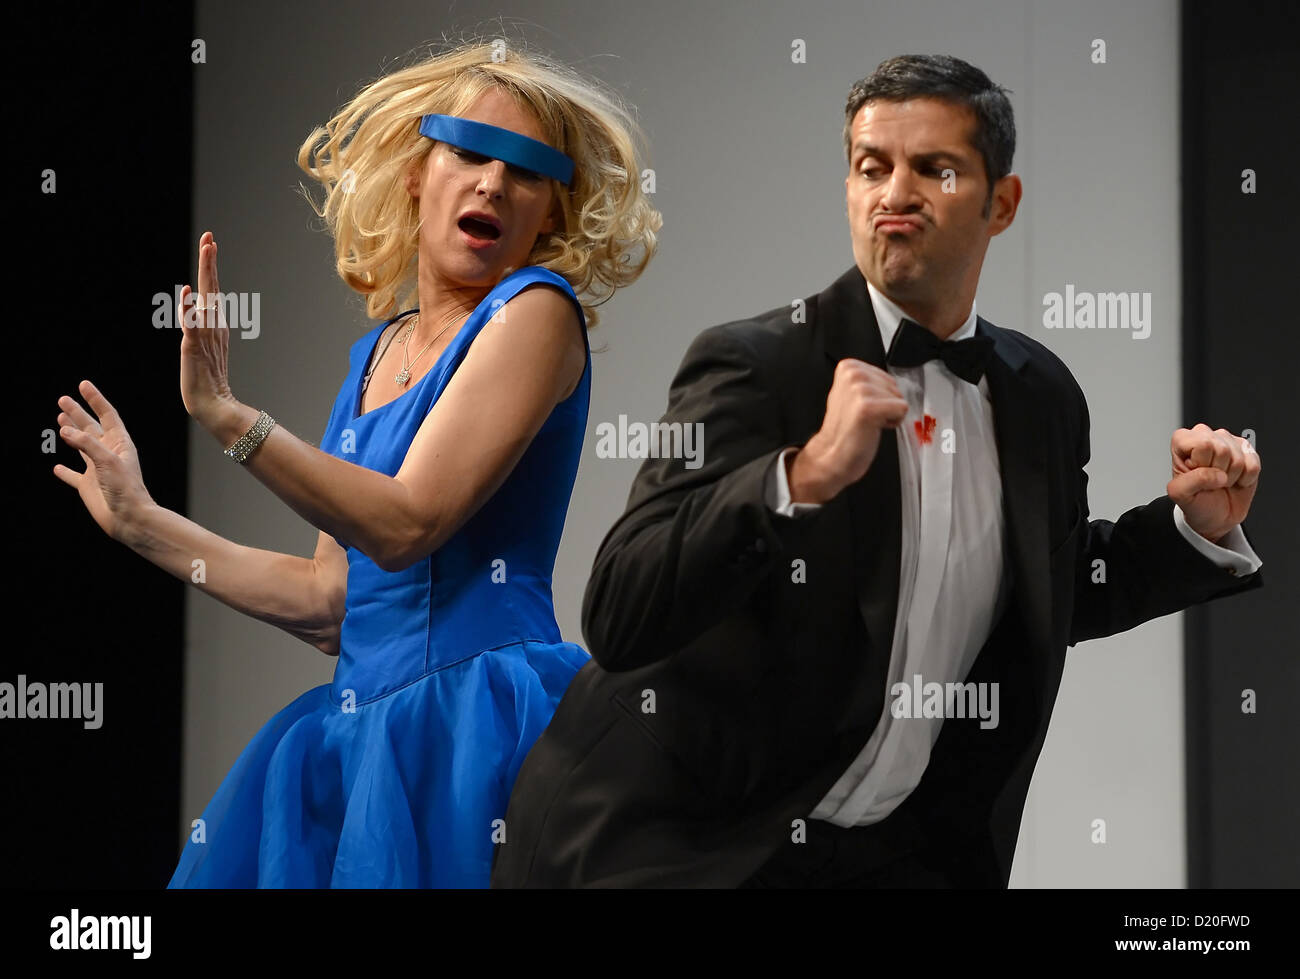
[1215, 474]
[864, 400]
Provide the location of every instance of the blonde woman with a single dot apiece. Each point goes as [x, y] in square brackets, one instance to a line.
[480, 192]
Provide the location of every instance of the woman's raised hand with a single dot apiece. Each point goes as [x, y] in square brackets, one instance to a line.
[112, 487]
[205, 342]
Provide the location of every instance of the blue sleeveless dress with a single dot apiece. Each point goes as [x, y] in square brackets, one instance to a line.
[397, 774]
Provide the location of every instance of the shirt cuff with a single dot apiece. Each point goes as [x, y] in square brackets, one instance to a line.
[777, 490]
[1233, 552]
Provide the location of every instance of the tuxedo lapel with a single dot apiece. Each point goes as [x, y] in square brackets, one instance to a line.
[845, 313]
[1021, 433]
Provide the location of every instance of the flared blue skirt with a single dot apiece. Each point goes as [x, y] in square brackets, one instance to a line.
[409, 790]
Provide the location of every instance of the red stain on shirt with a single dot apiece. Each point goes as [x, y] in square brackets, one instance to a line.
[925, 429]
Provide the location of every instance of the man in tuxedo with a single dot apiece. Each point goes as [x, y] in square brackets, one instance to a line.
[892, 497]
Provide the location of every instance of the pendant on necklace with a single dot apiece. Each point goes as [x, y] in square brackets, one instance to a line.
[403, 376]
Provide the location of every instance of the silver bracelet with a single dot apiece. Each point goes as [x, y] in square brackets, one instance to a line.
[251, 439]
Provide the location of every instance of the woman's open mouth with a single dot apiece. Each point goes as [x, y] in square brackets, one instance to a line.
[477, 232]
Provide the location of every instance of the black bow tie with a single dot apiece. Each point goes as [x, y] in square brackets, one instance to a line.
[913, 344]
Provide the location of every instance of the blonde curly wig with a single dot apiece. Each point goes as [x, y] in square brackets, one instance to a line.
[362, 154]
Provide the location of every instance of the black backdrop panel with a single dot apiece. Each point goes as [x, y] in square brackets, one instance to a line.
[1241, 72]
[105, 103]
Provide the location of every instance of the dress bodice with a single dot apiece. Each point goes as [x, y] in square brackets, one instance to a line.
[489, 584]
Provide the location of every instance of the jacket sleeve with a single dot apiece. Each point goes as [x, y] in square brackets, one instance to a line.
[695, 540]
[1138, 567]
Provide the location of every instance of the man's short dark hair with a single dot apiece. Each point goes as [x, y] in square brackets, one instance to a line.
[941, 76]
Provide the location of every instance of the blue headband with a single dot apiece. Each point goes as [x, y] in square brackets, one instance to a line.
[499, 144]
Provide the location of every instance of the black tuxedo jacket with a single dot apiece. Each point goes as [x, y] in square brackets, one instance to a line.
[726, 696]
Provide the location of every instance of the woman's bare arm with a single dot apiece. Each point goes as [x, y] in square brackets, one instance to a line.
[522, 363]
[303, 596]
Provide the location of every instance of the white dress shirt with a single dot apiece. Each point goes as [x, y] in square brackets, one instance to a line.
[953, 584]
